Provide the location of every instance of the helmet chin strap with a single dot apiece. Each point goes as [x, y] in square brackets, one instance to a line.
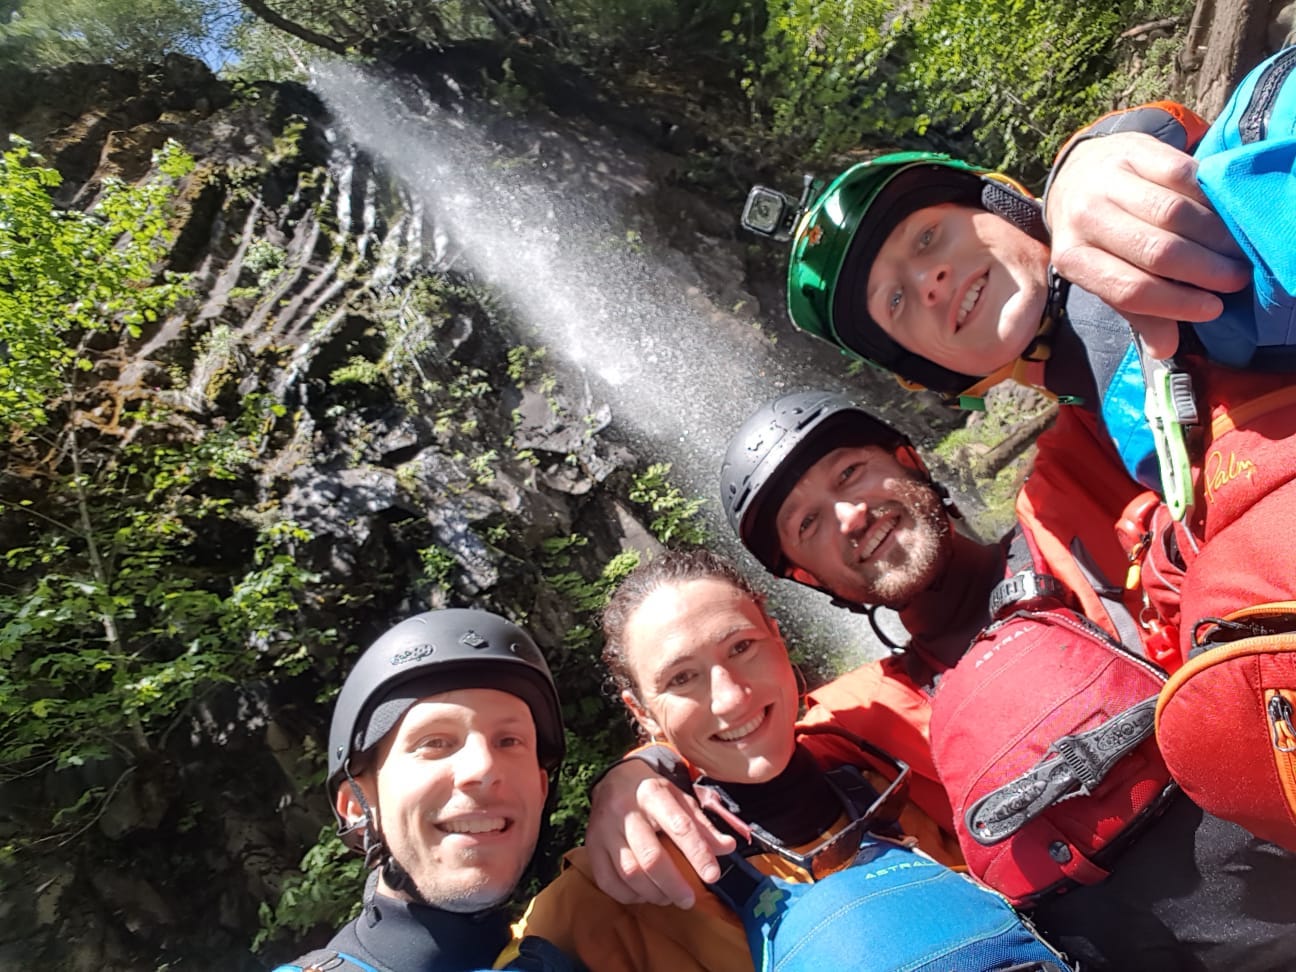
[376, 855]
[398, 879]
[371, 841]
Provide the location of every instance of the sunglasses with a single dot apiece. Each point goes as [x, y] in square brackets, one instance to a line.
[842, 848]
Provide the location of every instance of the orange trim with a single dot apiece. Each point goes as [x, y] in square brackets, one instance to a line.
[1193, 124]
[1230, 419]
[1009, 181]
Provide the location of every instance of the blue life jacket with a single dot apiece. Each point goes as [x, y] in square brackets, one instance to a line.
[1247, 169]
[893, 908]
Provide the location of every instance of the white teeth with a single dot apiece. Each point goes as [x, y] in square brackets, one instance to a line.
[746, 729]
[873, 539]
[970, 299]
[473, 825]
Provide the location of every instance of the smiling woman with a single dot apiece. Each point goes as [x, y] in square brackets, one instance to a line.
[704, 668]
[825, 873]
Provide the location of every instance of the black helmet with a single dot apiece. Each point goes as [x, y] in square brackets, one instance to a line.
[440, 651]
[773, 449]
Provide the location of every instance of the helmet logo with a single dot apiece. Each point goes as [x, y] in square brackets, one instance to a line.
[417, 653]
[761, 441]
[473, 640]
[813, 235]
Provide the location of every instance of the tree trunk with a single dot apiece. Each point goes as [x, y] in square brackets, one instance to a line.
[1225, 40]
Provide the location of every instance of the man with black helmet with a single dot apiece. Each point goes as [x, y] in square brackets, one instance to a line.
[822, 493]
[444, 749]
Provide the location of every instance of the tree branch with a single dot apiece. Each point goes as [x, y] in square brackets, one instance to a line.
[262, 10]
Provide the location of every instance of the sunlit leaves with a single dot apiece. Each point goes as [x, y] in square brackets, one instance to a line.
[43, 33]
[66, 273]
[1005, 79]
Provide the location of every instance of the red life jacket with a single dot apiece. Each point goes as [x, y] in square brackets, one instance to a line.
[1042, 733]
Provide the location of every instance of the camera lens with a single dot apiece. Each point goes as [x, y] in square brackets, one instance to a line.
[764, 210]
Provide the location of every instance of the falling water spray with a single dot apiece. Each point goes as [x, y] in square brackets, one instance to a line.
[546, 229]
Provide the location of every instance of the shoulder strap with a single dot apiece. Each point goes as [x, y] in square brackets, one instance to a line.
[1068, 510]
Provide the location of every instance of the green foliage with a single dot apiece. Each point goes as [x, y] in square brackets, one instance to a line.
[65, 274]
[42, 33]
[357, 371]
[265, 260]
[674, 516]
[113, 624]
[588, 31]
[127, 648]
[325, 891]
[525, 364]
[597, 730]
[439, 565]
[1002, 82]
[816, 75]
[991, 66]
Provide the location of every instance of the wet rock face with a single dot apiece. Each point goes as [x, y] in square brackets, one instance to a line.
[427, 470]
[384, 405]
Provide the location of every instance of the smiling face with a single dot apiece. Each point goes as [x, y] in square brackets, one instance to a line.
[864, 526]
[713, 678]
[960, 286]
[458, 793]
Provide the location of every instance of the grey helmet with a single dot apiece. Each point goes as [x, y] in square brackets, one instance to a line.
[438, 651]
[773, 449]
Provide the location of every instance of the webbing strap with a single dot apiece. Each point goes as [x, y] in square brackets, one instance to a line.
[1128, 632]
[1080, 763]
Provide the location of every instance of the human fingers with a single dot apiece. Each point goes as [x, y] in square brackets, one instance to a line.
[1160, 336]
[644, 864]
[1177, 233]
[638, 869]
[1133, 291]
[682, 820]
[1137, 200]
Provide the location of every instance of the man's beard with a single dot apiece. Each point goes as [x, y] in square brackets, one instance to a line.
[926, 548]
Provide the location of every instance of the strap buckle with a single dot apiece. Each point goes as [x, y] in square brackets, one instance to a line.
[1025, 589]
[1082, 761]
[1169, 406]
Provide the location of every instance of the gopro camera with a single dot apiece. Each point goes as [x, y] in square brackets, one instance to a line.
[772, 213]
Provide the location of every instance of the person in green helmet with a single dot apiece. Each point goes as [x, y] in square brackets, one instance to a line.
[939, 271]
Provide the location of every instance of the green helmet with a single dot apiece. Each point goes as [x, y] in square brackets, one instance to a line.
[838, 237]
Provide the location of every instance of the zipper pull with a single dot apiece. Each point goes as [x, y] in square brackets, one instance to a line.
[1283, 730]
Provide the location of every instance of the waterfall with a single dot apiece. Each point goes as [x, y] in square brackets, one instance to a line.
[549, 230]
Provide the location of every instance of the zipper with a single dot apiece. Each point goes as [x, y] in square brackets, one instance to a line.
[1281, 728]
[1079, 624]
[1282, 731]
[1254, 123]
